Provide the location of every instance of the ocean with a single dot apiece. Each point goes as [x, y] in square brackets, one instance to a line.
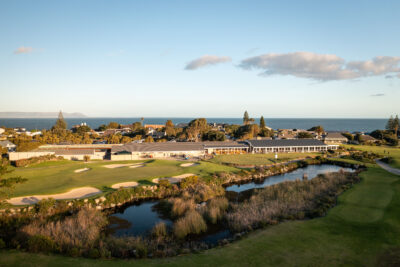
[351, 125]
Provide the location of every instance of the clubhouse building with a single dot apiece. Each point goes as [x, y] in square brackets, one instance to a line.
[135, 151]
[200, 149]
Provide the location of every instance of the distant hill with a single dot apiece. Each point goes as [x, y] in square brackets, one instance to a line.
[40, 115]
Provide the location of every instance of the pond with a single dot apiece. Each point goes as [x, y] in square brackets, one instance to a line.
[138, 219]
[311, 171]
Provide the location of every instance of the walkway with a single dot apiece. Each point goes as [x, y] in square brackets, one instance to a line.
[387, 167]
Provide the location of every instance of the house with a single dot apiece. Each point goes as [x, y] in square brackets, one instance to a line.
[368, 139]
[158, 135]
[286, 134]
[9, 145]
[2, 130]
[29, 133]
[334, 138]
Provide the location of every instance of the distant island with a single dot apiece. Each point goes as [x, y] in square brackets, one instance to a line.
[40, 115]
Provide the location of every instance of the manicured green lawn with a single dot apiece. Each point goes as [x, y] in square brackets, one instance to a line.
[357, 232]
[393, 152]
[259, 159]
[59, 177]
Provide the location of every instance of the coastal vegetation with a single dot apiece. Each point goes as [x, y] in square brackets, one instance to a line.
[367, 207]
[77, 231]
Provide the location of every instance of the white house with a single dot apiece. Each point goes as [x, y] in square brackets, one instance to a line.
[7, 144]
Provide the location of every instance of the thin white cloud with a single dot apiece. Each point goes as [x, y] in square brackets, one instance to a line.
[374, 95]
[321, 67]
[206, 60]
[23, 50]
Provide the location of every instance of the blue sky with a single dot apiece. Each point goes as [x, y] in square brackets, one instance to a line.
[201, 58]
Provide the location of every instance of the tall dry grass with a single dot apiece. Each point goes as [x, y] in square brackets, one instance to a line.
[191, 223]
[215, 209]
[81, 230]
[289, 200]
[180, 206]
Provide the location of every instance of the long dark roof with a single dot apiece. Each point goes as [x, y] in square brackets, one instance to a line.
[74, 152]
[335, 136]
[175, 146]
[217, 144]
[155, 147]
[285, 142]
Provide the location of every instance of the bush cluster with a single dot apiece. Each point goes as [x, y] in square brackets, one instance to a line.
[40, 159]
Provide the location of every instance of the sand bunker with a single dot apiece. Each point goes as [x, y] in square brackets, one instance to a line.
[137, 166]
[82, 170]
[174, 179]
[190, 164]
[127, 184]
[81, 192]
[130, 165]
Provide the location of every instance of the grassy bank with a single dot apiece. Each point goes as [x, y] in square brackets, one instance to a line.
[393, 152]
[359, 231]
[60, 176]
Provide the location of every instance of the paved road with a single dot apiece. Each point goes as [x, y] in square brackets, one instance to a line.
[387, 167]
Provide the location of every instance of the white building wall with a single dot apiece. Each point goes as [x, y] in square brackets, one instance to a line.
[26, 155]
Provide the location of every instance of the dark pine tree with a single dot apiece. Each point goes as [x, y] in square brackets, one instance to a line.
[61, 124]
[262, 122]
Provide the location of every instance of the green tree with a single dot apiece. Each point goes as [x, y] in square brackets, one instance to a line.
[81, 130]
[7, 184]
[149, 139]
[246, 118]
[262, 123]
[304, 135]
[113, 125]
[318, 129]
[396, 124]
[390, 124]
[196, 128]
[170, 128]
[214, 136]
[61, 124]
[349, 136]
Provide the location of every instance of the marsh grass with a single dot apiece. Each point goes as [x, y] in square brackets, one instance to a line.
[215, 209]
[80, 230]
[191, 223]
[289, 200]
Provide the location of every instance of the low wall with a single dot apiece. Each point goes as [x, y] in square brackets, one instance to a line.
[13, 156]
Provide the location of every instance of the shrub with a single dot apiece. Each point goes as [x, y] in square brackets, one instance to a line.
[40, 159]
[215, 209]
[86, 158]
[2, 243]
[74, 252]
[79, 230]
[164, 183]
[40, 243]
[94, 253]
[44, 205]
[159, 230]
[191, 223]
[188, 181]
[181, 206]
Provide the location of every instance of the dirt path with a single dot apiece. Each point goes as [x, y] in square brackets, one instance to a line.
[81, 192]
[387, 167]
